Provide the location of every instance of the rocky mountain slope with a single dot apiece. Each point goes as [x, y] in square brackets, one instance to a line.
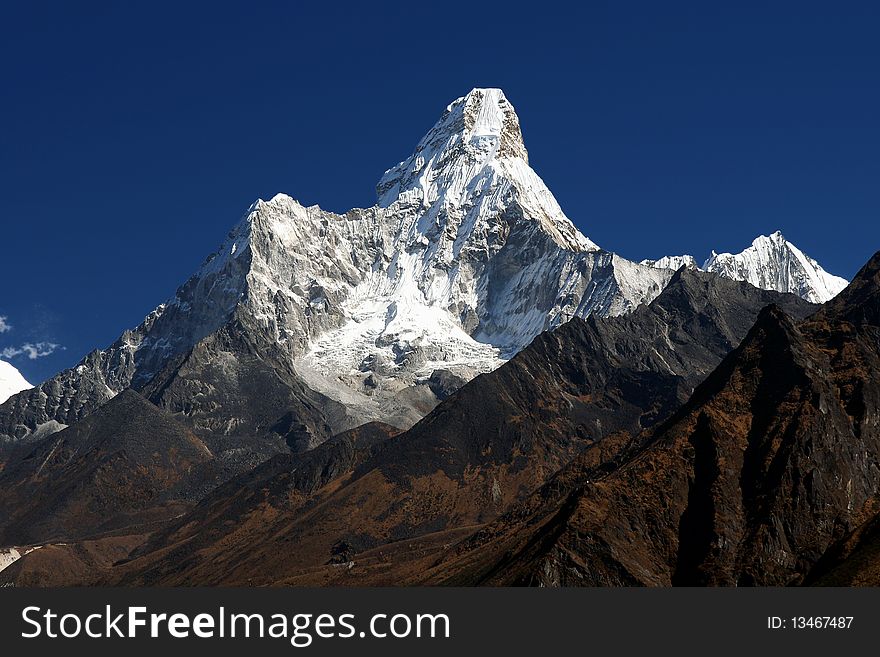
[501, 483]
[853, 561]
[769, 465]
[127, 464]
[771, 263]
[486, 447]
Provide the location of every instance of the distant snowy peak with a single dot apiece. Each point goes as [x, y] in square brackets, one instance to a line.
[11, 381]
[770, 263]
[773, 263]
[673, 262]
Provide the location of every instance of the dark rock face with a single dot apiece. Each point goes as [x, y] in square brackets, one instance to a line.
[65, 398]
[771, 462]
[128, 463]
[201, 306]
[228, 387]
[852, 561]
[859, 304]
[444, 383]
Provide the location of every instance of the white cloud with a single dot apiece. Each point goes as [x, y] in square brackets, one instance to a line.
[32, 350]
[4, 324]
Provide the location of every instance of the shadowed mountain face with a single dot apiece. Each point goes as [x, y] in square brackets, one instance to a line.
[770, 463]
[488, 446]
[226, 386]
[853, 561]
[128, 464]
[240, 511]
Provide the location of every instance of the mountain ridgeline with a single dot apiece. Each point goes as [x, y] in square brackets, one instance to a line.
[455, 386]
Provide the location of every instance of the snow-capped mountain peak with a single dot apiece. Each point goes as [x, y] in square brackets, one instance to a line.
[11, 381]
[464, 259]
[770, 263]
[471, 164]
[473, 131]
[774, 263]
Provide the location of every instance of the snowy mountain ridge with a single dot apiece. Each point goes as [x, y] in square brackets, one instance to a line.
[770, 263]
[464, 259]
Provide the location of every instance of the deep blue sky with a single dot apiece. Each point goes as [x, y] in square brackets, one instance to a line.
[134, 137]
